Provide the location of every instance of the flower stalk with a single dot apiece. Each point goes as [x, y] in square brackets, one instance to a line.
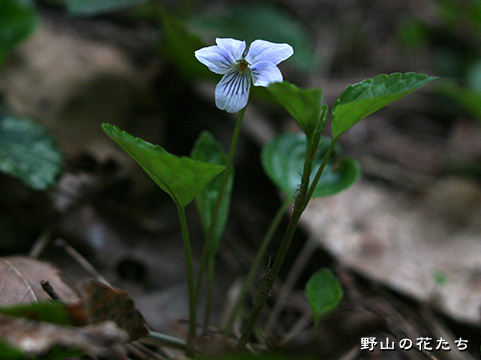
[207, 257]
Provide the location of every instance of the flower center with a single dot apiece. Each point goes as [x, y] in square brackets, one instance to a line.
[243, 65]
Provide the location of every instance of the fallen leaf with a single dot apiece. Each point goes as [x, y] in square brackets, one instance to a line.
[21, 277]
[101, 302]
[425, 246]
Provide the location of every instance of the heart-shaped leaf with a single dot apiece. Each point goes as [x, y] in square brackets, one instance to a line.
[28, 152]
[283, 161]
[208, 149]
[323, 291]
[305, 105]
[368, 96]
[180, 177]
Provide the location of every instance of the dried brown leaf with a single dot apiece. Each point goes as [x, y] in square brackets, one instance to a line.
[101, 302]
[20, 278]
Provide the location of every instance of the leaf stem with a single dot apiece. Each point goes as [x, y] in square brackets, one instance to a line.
[164, 339]
[210, 291]
[189, 350]
[317, 177]
[294, 273]
[256, 264]
[304, 194]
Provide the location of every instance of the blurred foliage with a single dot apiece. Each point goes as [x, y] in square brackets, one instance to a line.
[250, 22]
[95, 7]
[28, 153]
[48, 311]
[178, 44]
[453, 36]
[18, 20]
[11, 353]
[248, 356]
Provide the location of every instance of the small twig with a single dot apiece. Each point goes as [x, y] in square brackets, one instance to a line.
[42, 241]
[50, 291]
[147, 353]
[298, 327]
[351, 354]
[81, 260]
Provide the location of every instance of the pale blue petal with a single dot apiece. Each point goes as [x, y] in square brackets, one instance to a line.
[234, 47]
[216, 58]
[265, 73]
[232, 92]
[261, 50]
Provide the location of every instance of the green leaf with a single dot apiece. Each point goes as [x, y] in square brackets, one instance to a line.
[283, 161]
[324, 292]
[48, 311]
[12, 353]
[305, 105]
[178, 44]
[208, 149]
[368, 96]
[180, 177]
[17, 22]
[251, 21]
[93, 7]
[28, 152]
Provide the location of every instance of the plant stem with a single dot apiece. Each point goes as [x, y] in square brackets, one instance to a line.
[165, 340]
[304, 194]
[268, 281]
[189, 350]
[313, 185]
[210, 291]
[226, 173]
[256, 264]
[206, 253]
[294, 273]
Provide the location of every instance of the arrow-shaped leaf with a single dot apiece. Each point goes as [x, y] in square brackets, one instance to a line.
[180, 177]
